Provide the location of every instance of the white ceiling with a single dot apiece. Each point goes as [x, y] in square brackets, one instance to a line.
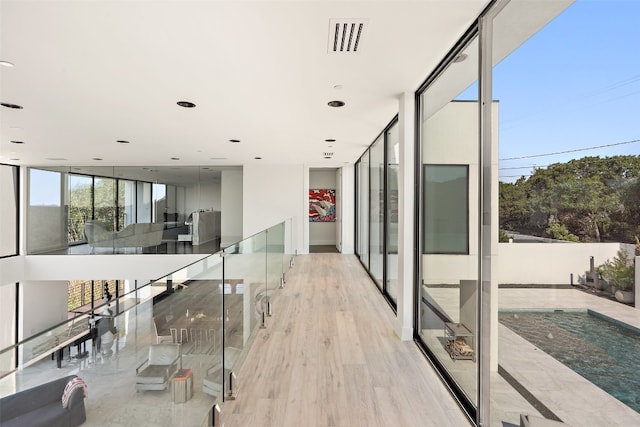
[92, 72]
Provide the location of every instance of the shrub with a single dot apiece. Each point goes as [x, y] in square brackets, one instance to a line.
[620, 271]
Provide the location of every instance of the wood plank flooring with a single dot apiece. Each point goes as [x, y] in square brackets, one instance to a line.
[330, 357]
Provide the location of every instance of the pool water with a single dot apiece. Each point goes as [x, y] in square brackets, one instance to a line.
[602, 351]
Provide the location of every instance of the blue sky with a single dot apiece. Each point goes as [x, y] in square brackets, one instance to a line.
[575, 84]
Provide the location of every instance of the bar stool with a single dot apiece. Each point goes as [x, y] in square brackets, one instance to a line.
[174, 335]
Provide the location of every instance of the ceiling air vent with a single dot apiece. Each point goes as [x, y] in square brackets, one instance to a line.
[345, 35]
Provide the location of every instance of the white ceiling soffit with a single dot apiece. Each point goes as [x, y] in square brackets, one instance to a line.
[346, 35]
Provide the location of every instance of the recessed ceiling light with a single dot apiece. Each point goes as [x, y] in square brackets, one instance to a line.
[96, 158]
[175, 158]
[258, 158]
[56, 158]
[6, 64]
[77, 169]
[122, 141]
[217, 158]
[235, 141]
[460, 57]
[337, 87]
[329, 140]
[14, 106]
[186, 104]
[14, 159]
[335, 103]
[204, 169]
[17, 142]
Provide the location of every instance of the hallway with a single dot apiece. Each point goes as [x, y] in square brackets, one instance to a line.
[330, 357]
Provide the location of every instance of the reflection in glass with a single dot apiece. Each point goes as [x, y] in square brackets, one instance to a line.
[105, 202]
[391, 194]
[143, 211]
[126, 203]
[80, 205]
[376, 212]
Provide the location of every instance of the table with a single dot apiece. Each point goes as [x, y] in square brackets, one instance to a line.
[182, 386]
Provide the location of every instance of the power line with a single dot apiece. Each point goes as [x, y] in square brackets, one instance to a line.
[571, 151]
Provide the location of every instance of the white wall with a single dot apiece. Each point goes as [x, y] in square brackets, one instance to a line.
[550, 263]
[204, 195]
[43, 304]
[346, 218]
[271, 194]
[11, 270]
[103, 267]
[323, 233]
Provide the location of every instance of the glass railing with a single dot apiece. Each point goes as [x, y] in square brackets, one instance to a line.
[209, 311]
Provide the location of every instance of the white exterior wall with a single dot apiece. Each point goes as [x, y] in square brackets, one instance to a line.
[550, 263]
[455, 127]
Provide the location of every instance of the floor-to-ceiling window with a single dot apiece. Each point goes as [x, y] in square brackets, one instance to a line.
[46, 219]
[569, 177]
[391, 203]
[143, 210]
[127, 203]
[377, 211]
[79, 205]
[104, 201]
[362, 179]
[9, 210]
[449, 172]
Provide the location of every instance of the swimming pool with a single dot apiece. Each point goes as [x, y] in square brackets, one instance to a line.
[604, 351]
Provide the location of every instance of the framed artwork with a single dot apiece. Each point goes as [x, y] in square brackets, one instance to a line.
[322, 205]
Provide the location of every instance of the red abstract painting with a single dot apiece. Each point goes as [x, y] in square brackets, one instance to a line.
[322, 205]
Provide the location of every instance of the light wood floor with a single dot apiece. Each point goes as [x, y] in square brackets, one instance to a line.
[330, 357]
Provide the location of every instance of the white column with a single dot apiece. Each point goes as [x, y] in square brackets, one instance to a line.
[406, 207]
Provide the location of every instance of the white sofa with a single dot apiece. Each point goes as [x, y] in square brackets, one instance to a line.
[139, 235]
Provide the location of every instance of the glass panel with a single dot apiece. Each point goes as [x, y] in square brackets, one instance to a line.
[393, 159]
[363, 209]
[246, 295]
[448, 299]
[126, 203]
[47, 220]
[105, 202]
[112, 343]
[144, 202]
[569, 95]
[446, 209]
[275, 254]
[376, 211]
[80, 205]
[8, 210]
